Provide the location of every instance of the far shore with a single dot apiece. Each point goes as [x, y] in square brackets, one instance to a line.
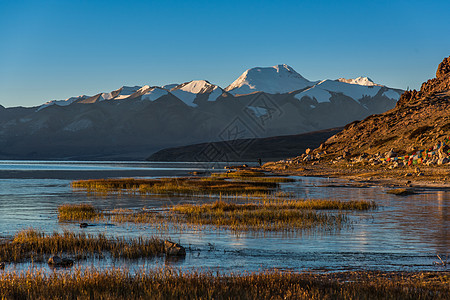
[419, 176]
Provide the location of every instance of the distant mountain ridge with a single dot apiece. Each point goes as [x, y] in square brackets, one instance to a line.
[278, 79]
[134, 121]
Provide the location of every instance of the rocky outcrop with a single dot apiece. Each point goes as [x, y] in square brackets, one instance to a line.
[173, 249]
[420, 121]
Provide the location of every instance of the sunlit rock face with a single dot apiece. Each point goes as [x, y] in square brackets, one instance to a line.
[419, 122]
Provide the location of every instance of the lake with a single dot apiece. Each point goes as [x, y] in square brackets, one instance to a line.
[403, 234]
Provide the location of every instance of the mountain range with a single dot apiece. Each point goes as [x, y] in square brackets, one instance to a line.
[132, 122]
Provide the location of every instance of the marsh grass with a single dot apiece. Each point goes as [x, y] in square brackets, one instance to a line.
[270, 214]
[283, 216]
[174, 284]
[78, 212]
[177, 186]
[34, 245]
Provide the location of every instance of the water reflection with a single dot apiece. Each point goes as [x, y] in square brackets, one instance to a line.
[404, 233]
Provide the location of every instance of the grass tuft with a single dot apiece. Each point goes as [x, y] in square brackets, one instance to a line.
[69, 212]
[34, 245]
[173, 284]
[264, 215]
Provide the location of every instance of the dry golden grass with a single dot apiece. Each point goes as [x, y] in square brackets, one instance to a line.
[173, 284]
[176, 186]
[264, 215]
[77, 212]
[34, 245]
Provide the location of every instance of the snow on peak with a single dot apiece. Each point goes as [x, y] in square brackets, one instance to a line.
[170, 86]
[188, 91]
[273, 80]
[366, 81]
[120, 94]
[195, 86]
[322, 91]
[152, 93]
[66, 102]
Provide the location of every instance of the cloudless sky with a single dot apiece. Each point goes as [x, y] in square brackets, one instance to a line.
[57, 49]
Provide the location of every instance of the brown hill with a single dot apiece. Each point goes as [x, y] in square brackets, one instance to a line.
[420, 121]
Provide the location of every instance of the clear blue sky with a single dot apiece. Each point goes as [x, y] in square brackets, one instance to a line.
[58, 49]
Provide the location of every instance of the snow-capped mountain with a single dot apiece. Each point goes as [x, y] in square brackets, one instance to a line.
[360, 81]
[280, 79]
[273, 80]
[132, 121]
[189, 91]
[324, 90]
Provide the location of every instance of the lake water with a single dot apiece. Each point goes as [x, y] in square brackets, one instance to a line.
[403, 233]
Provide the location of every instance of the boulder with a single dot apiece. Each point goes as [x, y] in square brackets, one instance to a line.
[56, 261]
[66, 262]
[391, 153]
[442, 161]
[173, 249]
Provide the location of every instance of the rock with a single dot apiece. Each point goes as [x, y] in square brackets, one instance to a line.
[2, 265]
[390, 153]
[83, 225]
[66, 262]
[307, 151]
[345, 154]
[442, 161]
[173, 249]
[417, 170]
[55, 260]
[408, 174]
[307, 158]
[375, 162]
[443, 68]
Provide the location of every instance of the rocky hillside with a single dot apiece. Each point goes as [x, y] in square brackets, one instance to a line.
[417, 130]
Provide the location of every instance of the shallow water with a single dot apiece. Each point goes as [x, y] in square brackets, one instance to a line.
[403, 233]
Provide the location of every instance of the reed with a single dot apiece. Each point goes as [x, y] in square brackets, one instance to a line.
[257, 216]
[78, 212]
[176, 186]
[34, 245]
[267, 215]
[174, 284]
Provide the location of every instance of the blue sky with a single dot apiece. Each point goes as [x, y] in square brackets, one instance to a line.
[57, 49]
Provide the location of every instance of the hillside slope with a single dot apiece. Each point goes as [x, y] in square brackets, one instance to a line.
[418, 127]
[246, 150]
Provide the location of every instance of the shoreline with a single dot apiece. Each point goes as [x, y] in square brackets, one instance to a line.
[435, 177]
